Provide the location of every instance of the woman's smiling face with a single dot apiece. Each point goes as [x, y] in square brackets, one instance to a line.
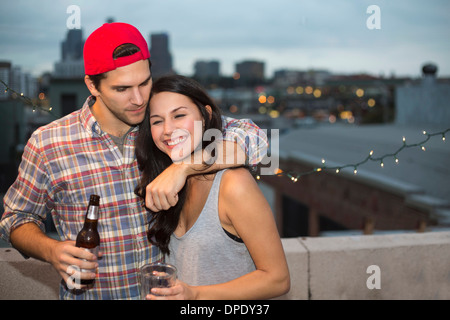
[176, 124]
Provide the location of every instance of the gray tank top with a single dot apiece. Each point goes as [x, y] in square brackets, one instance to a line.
[206, 254]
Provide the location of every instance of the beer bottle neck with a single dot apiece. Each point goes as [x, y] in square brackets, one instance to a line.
[90, 224]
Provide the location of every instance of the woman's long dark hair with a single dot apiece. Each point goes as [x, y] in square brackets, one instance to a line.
[153, 161]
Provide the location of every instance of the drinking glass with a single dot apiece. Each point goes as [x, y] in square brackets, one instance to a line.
[157, 275]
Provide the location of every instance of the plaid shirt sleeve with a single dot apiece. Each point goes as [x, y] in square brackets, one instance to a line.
[248, 135]
[25, 200]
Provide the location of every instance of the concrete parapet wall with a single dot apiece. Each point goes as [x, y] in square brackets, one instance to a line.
[26, 279]
[408, 266]
[405, 266]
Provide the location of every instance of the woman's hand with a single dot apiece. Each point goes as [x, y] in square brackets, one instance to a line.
[180, 291]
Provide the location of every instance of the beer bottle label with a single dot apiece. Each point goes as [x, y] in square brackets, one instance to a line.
[92, 213]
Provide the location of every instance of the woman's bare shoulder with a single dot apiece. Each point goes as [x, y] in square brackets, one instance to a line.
[237, 182]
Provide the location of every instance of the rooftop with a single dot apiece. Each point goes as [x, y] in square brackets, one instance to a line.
[424, 175]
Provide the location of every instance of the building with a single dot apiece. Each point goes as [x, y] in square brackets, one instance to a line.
[67, 95]
[160, 55]
[71, 64]
[424, 102]
[205, 71]
[19, 81]
[5, 71]
[250, 72]
[287, 77]
[284, 78]
[72, 46]
[66, 88]
[383, 195]
[14, 119]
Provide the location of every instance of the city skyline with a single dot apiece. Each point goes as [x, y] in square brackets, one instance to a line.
[298, 35]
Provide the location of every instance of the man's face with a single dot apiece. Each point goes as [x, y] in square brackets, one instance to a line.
[122, 97]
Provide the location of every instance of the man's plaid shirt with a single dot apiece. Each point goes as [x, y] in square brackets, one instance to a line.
[71, 158]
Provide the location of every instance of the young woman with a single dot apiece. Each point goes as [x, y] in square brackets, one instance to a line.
[221, 235]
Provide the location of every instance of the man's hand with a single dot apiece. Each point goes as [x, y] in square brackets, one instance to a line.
[162, 193]
[73, 263]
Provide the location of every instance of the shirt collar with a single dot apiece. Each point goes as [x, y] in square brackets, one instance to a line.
[87, 118]
[89, 122]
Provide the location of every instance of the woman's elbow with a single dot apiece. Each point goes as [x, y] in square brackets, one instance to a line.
[285, 284]
[282, 283]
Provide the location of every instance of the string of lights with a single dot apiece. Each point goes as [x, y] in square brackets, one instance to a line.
[294, 176]
[27, 100]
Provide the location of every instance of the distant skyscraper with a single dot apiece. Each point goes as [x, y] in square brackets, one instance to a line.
[72, 47]
[205, 70]
[71, 64]
[20, 82]
[5, 73]
[160, 55]
[250, 72]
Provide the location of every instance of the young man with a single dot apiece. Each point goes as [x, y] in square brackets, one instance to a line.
[91, 151]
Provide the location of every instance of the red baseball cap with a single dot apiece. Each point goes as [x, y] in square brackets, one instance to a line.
[100, 45]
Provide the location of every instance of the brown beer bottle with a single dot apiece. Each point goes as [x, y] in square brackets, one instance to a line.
[88, 237]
